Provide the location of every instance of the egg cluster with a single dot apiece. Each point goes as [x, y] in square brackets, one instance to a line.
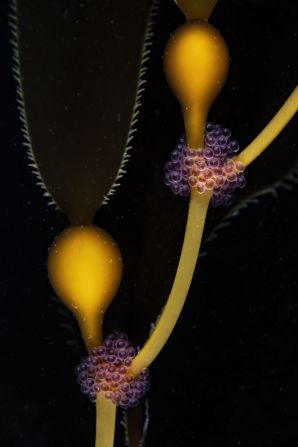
[212, 168]
[106, 370]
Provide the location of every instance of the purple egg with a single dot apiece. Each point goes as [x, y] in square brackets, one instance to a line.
[105, 371]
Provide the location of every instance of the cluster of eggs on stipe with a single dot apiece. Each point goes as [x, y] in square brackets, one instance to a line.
[106, 370]
[211, 168]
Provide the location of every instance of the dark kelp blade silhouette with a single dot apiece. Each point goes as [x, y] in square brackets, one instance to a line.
[80, 68]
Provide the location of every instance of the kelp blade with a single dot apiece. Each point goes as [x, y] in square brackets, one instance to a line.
[79, 73]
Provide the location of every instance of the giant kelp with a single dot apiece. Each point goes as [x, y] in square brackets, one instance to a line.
[154, 201]
[80, 68]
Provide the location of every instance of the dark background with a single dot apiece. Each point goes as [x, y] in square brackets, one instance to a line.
[228, 375]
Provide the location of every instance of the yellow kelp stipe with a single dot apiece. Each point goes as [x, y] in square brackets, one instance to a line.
[196, 9]
[196, 63]
[270, 132]
[190, 250]
[105, 422]
[85, 268]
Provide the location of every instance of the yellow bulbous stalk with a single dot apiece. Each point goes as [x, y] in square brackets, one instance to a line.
[196, 64]
[85, 269]
[196, 9]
